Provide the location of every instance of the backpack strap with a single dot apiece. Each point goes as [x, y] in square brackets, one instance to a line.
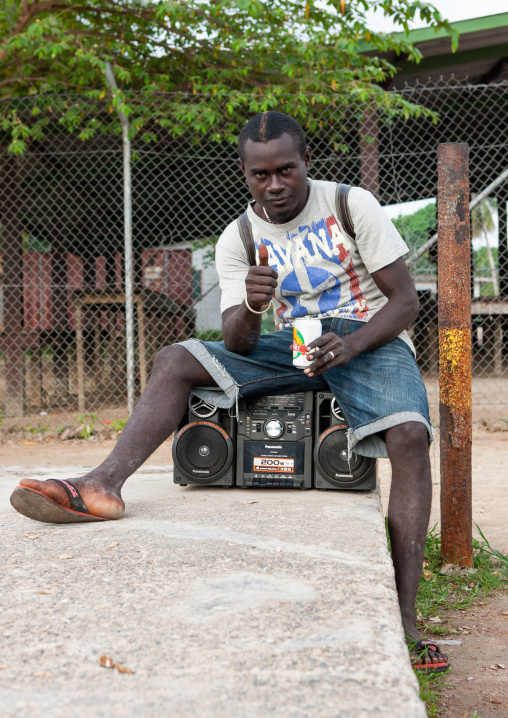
[342, 207]
[248, 241]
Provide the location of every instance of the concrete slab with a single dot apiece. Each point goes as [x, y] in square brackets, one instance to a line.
[223, 602]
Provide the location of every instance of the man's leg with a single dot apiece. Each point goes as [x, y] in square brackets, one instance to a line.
[408, 515]
[155, 417]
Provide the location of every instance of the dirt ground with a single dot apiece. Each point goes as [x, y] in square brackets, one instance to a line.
[490, 485]
[69, 453]
[477, 681]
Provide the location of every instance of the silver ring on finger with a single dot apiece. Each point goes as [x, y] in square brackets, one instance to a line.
[331, 355]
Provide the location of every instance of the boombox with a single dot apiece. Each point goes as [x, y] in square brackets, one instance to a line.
[282, 441]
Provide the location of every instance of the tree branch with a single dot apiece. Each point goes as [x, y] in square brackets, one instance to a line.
[27, 80]
[28, 12]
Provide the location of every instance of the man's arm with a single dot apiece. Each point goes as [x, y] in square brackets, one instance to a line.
[399, 311]
[241, 328]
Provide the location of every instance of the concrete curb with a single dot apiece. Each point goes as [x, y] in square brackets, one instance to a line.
[223, 602]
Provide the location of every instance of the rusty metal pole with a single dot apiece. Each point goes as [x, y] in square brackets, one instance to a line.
[455, 403]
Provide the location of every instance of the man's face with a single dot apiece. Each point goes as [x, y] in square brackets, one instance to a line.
[277, 176]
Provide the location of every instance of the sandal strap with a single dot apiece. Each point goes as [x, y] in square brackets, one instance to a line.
[423, 646]
[77, 502]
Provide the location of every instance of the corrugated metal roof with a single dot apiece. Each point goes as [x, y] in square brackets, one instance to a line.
[481, 56]
[464, 27]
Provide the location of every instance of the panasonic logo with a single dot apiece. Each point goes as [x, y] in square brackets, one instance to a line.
[272, 446]
[198, 471]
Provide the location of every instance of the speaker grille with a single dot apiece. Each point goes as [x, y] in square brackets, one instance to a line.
[332, 458]
[202, 451]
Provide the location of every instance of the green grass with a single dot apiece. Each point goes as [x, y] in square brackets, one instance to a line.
[430, 692]
[438, 592]
[87, 421]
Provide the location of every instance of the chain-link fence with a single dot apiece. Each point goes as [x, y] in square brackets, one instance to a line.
[62, 300]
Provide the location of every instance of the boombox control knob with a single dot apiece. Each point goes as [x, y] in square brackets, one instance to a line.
[274, 428]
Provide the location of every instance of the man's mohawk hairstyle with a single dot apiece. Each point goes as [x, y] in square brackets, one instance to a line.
[268, 126]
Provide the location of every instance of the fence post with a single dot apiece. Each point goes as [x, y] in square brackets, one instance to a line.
[455, 403]
[11, 340]
[127, 212]
[369, 152]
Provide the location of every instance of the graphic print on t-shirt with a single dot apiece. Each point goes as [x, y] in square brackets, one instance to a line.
[316, 268]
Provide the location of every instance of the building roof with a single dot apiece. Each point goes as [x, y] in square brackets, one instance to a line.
[481, 56]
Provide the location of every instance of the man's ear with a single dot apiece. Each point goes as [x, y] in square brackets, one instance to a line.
[307, 157]
[241, 165]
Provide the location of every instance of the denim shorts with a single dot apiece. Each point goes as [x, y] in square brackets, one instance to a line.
[376, 390]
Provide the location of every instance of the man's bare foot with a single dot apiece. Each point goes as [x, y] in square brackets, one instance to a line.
[106, 503]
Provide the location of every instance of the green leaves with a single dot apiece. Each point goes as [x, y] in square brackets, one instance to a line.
[17, 147]
[255, 51]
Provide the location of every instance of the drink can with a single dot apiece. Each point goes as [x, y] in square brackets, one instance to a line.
[304, 332]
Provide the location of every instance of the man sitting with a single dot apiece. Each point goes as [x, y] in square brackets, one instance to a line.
[359, 288]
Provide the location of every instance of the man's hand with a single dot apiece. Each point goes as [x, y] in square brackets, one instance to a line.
[328, 350]
[395, 282]
[241, 328]
[261, 281]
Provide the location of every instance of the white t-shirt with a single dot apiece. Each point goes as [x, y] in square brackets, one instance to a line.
[322, 272]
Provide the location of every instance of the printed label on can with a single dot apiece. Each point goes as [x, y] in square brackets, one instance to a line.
[304, 332]
[299, 347]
